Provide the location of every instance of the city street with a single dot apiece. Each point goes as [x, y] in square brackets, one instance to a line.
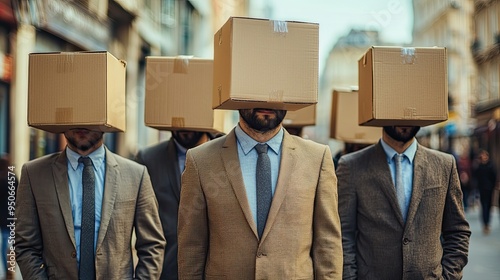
[484, 251]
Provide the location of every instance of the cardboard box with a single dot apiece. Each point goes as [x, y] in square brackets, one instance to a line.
[300, 118]
[179, 94]
[403, 86]
[260, 63]
[76, 90]
[344, 120]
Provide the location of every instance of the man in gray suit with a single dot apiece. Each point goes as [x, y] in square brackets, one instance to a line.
[421, 235]
[49, 215]
[165, 163]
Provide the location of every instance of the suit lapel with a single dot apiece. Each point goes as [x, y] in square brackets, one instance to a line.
[229, 154]
[60, 175]
[111, 183]
[172, 168]
[287, 166]
[418, 183]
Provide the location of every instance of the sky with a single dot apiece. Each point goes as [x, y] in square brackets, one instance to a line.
[392, 18]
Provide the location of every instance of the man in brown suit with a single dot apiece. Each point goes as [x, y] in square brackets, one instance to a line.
[426, 237]
[218, 233]
[49, 211]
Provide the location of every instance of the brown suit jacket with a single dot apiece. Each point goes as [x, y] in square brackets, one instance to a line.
[217, 234]
[434, 241]
[45, 242]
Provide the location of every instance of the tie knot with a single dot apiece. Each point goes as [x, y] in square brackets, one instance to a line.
[399, 157]
[86, 161]
[261, 148]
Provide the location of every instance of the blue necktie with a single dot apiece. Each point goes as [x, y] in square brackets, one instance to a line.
[264, 188]
[87, 262]
[400, 188]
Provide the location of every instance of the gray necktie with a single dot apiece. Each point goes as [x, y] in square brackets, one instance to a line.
[400, 189]
[264, 189]
[87, 263]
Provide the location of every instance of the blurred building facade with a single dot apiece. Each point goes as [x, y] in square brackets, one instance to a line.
[450, 24]
[340, 72]
[485, 50]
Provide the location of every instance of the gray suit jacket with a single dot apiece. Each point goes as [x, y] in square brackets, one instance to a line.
[434, 242]
[163, 167]
[217, 233]
[45, 242]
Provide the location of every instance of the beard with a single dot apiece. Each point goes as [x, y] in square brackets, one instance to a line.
[402, 133]
[187, 139]
[83, 139]
[265, 122]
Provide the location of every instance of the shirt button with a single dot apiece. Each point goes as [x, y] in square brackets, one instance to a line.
[73, 254]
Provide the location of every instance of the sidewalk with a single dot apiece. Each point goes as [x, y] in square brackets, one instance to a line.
[484, 251]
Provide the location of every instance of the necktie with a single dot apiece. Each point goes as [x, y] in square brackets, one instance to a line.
[264, 189]
[87, 263]
[400, 189]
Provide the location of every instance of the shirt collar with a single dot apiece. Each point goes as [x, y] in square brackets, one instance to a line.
[180, 149]
[96, 156]
[409, 152]
[247, 143]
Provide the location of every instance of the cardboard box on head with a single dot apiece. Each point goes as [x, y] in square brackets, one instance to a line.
[300, 118]
[179, 94]
[344, 120]
[403, 86]
[260, 63]
[76, 90]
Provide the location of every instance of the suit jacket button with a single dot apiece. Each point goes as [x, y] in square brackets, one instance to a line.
[406, 241]
[259, 254]
[73, 254]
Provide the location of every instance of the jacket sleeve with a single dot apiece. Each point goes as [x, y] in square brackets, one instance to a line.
[29, 244]
[193, 224]
[150, 244]
[455, 231]
[327, 243]
[347, 211]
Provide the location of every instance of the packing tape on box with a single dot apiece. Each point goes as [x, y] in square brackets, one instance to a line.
[181, 64]
[177, 122]
[280, 27]
[65, 62]
[408, 55]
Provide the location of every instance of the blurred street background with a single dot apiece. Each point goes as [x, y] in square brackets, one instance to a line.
[134, 29]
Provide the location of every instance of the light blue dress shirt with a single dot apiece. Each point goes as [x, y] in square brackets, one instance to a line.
[407, 167]
[181, 155]
[248, 163]
[75, 190]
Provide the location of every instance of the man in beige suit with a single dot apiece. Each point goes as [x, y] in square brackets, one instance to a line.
[421, 235]
[220, 234]
[49, 211]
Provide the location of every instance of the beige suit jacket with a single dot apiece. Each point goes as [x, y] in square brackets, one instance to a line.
[45, 242]
[378, 244]
[218, 236]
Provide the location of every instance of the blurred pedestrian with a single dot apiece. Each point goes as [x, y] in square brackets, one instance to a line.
[485, 174]
[401, 211]
[464, 168]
